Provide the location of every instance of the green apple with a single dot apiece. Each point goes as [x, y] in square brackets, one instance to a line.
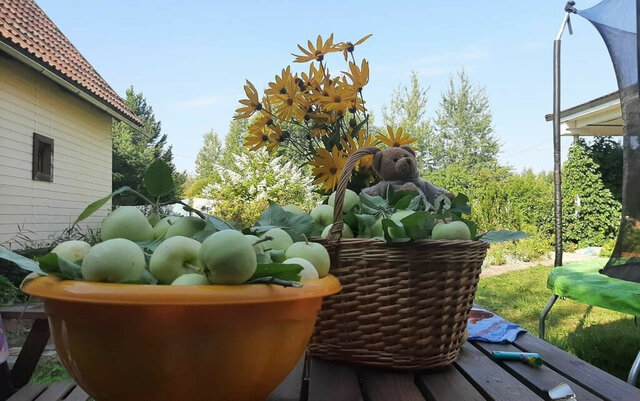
[153, 218]
[163, 225]
[396, 232]
[374, 231]
[450, 231]
[174, 257]
[322, 214]
[71, 251]
[228, 257]
[281, 239]
[309, 272]
[191, 279]
[346, 231]
[257, 247]
[277, 255]
[115, 260]
[351, 199]
[314, 253]
[185, 227]
[293, 209]
[126, 222]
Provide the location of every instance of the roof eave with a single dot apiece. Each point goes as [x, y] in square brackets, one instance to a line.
[66, 83]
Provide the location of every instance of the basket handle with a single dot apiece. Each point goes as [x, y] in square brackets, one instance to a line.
[336, 229]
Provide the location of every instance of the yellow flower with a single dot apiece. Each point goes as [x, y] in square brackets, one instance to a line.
[348, 47]
[318, 132]
[337, 97]
[395, 139]
[315, 53]
[276, 137]
[328, 167]
[359, 76]
[350, 146]
[287, 102]
[251, 103]
[256, 140]
[280, 86]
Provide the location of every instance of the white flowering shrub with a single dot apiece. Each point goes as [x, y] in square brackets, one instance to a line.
[241, 193]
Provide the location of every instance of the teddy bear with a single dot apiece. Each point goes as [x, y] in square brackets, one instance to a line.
[398, 166]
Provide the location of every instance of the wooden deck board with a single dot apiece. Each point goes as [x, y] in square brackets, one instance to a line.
[28, 392]
[588, 376]
[447, 385]
[541, 379]
[329, 381]
[384, 386]
[56, 391]
[490, 379]
[78, 394]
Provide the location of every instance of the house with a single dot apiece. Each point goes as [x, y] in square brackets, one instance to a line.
[56, 114]
[601, 116]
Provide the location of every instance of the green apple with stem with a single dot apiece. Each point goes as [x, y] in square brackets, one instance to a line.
[346, 231]
[314, 253]
[185, 227]
[174, 257]
[228, 257]
[280, 239]
[309, 272]
[72, 251]
[115, 260]
[191, 279]
[351, 199]
[126, 222]
[451, 231]
[322, 214]
[163, 225]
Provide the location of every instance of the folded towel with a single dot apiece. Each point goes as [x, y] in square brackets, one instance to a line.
[488, 327]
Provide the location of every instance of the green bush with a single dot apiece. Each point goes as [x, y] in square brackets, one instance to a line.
[607, 248]
[8, 291]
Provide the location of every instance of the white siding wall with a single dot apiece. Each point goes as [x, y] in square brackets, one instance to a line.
[29, 102]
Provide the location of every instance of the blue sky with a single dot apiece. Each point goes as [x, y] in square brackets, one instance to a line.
[190, 58]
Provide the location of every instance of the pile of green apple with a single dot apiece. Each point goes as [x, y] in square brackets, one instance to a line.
[132, 247]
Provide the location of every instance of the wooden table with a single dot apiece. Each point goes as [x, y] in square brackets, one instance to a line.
[474, 376]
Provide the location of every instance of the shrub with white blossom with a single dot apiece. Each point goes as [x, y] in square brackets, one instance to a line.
[242, 192]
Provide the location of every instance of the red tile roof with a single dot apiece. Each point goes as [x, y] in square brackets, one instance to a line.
[27, 29]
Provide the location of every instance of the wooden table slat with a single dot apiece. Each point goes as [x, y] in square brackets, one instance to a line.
[588, 376]
[289, 389]
[33, 311]
[491, 379]
[78, 394]
[543, 378]
[56, 391]
[28, 392]
[329, 381]
[447, 385]
[384, 386]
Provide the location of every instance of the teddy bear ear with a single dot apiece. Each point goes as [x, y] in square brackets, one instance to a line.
[408, 149]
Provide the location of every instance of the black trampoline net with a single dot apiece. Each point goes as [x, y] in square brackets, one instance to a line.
[617, 22]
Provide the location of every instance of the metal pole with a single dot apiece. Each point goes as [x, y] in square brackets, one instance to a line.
[557, 155]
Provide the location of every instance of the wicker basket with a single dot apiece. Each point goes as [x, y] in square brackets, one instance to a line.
[401, 306]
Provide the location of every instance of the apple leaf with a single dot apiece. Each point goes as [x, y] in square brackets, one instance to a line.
[375, 203]
[367, 220]
[94, 206]
[296, 225]
[216, 223]
[157, 179]
[416, 204]
[418, 225]
[502, 236]
[400, 200]
[388, 223]
[204, 234]
[460, 205]
[21, 261]
[442, 203]
[280, 271]
[53, 264]
[69, 270]
[146, 278]
[49, 263]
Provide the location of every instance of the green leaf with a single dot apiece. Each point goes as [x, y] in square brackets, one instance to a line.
[278, 270]
[367, 220]
[69, 270]
[388, 223]
[373, 202]
[146, 278]
[216, 223]
[277, 281]
[442, 203]
[418, 225]
[204, 234]
[158, 180]
[403, 202]
[296, 225]
[502, 236]
[460, 204]
[396, 197]
[416, 204]
[49, 263]
[94, 206]
[350, 219]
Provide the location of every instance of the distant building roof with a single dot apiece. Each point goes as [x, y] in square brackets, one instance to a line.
[25, 28]
[613, 96]
[601, 116]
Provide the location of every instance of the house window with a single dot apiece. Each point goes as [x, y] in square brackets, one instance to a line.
[42, 158]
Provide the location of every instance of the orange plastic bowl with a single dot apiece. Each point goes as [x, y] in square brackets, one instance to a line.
[124, 342]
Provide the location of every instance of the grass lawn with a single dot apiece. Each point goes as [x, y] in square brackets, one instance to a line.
[606, 339]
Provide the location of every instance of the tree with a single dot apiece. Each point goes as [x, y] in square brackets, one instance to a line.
[463, 132]
[607, 154]
[209, 155]
[407, 110]
[590, 213]
[134, 150]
